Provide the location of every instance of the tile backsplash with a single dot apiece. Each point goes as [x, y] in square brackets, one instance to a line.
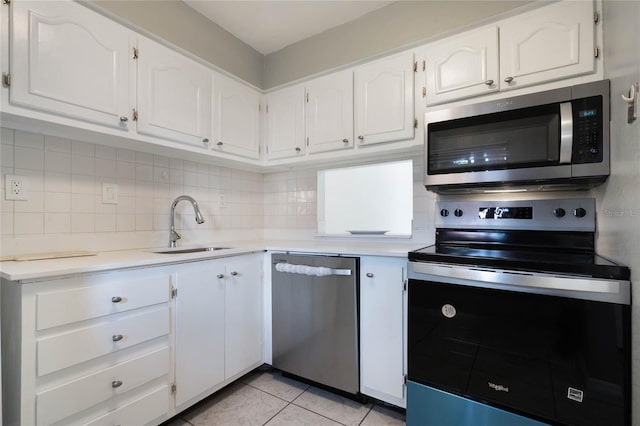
[65, 180]
[65, 207]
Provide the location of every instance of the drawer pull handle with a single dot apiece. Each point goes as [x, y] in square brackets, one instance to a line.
[220, 276]
[117, 337]
[116, 299]
[369, 275]
[116, 383]
[234, 273]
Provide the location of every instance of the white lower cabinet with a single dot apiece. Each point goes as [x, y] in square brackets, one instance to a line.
[107, 348]
[199, 340]
[81, 348]
[383, 328]
[243, 314]
[218, 324]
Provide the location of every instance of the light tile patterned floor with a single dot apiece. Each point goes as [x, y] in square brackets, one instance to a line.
[267, 398]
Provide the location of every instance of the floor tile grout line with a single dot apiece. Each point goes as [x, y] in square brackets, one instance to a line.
[322, 415]
[272, 417]
[367, 415]
[276, 396]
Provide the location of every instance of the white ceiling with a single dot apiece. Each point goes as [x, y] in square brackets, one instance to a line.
[268, 26]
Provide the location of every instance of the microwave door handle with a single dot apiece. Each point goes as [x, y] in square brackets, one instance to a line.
[566, 132]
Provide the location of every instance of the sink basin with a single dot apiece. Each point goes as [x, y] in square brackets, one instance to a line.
[188, 250]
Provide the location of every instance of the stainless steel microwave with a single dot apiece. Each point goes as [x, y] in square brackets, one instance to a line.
[558, 139]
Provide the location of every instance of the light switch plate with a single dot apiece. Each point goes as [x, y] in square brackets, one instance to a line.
[109, 193]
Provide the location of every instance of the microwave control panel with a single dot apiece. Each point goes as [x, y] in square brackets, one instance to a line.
[587, 130]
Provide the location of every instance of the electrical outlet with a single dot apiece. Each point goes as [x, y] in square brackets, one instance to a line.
[16, 188]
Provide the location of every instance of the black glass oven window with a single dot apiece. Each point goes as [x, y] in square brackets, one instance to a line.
[527, 137]
[554, 358]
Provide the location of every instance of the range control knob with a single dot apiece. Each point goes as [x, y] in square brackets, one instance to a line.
[444, 212]
[579, 212]
[559, 212]
[458, 212]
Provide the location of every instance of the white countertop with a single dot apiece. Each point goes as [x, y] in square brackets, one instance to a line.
[35, 270]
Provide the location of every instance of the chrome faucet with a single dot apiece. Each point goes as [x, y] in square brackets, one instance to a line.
[173, 235]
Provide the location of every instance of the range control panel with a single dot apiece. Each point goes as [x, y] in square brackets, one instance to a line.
[576, 214]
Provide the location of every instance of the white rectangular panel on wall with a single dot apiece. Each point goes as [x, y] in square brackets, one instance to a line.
[384, 100]
[330, 112]
[174, 95]
[236, 118]
[70, 61]
[554, 42]
[462, 66]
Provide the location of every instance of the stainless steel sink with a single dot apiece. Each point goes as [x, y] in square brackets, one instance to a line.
[188, 250]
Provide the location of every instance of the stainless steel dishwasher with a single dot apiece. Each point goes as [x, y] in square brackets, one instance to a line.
[315, 318]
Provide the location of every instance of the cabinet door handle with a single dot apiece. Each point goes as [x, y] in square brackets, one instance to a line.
[361, 137]
[205, 140]
[220, 276]
[124, 119]
[117, 337]
[345, 140]
[234, 273]
[116, 383]
[219, 143]
[298, 149]
[508, 79]
[369, 275]
[116, 299]
[489, 82]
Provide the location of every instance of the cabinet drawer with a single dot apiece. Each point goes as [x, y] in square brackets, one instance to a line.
[76, 346]
[70, 398]
[101, 295]
[139, 412]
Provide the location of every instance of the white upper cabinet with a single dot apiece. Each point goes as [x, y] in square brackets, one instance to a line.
[462, 66]
[329, 112]
[551, 43]
[285, 123]
[236, 118]
[70, 61]
[174, 95]
[384, 100]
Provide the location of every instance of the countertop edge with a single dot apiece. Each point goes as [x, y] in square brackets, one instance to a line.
[25, 272]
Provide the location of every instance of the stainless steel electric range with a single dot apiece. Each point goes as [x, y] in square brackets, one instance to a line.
[515, 320]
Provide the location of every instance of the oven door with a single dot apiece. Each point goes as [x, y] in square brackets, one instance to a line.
[554, 358]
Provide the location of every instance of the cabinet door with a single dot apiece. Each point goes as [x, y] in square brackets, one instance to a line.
[285, 123]
[70, 61]
[236, 118]
[243, 319]
[330, 112]
[382, 322]
[551, 43]
[384, 100]
[199, 328]
[174, 95]
[462, 66]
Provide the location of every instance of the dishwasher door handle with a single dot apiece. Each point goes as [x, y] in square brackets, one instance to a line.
[317, 271]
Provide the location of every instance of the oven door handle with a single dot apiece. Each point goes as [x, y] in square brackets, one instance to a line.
[566, 132]
[520, 279]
